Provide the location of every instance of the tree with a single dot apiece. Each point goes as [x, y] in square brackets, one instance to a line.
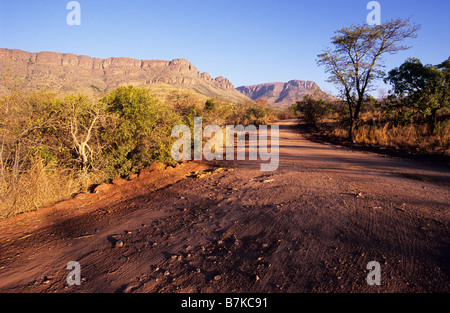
[313, 109]
[354, 63]
[425, 88]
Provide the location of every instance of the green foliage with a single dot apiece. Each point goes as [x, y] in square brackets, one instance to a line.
[138, 132]
[422, 88]
[256, 112]
[312, 109]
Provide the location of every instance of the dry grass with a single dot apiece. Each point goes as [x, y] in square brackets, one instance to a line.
[41, 186]
[411, 138]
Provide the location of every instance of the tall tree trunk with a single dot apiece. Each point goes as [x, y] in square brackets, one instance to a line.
[350, 130]
[432, 122]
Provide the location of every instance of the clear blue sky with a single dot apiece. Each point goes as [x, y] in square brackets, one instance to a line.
[247, 41]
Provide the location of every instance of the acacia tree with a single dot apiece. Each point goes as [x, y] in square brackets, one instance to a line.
[355, 61]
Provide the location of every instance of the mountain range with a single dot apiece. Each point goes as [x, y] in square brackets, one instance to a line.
[281, 94]
[67, 73]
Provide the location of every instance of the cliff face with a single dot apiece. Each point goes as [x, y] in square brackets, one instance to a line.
[282, 94]
[67, 72]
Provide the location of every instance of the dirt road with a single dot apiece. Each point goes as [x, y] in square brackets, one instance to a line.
[311, 226]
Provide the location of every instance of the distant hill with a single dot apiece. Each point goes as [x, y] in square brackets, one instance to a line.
[282, 95]
[69, 73]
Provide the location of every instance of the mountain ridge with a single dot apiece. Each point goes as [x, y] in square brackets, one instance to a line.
[67, 72]
[282, 94]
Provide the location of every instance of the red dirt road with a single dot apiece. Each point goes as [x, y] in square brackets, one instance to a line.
[311, 226]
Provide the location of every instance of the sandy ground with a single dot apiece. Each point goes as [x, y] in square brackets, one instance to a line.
[311, 226]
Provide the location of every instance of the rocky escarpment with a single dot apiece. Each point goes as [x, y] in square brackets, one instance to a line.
[282, 94]
[67, 72]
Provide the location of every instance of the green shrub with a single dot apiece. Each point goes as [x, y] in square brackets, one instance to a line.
[138, 132]
[313, 109]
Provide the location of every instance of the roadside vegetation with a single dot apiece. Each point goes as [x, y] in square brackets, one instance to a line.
[414, 118]
[53, 147]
